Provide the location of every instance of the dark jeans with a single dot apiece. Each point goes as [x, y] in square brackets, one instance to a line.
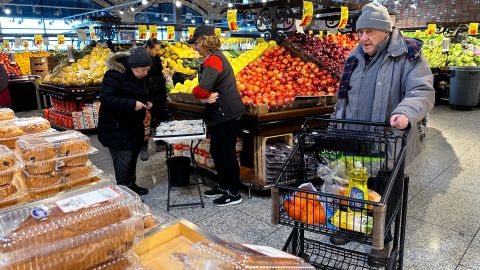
[222, 148]
[125, 165]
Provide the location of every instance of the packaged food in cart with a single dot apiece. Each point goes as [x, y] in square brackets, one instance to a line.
[44, 153]
[6, 114]
[74, 230]
[9, 165]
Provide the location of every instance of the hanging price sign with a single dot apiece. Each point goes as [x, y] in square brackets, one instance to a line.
[307, 14]
[343, 17]
[142, 32]
[153, 31]
[38, 40]
[61, 39]
[232, 19]
[218, 32]
[170, 32]
[91, 29]
[473, 29]
[191, 30]
[25, 44]
[6, 44]
[430, 29]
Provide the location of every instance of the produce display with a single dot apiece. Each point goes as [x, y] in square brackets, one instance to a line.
[12, 69]
[23, 60]
[277, 77]
[88, 70]
[178, 58]
[331, 51]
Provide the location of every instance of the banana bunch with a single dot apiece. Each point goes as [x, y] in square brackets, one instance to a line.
[435, 56]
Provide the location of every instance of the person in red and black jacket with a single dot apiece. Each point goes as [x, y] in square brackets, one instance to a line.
[217, 88]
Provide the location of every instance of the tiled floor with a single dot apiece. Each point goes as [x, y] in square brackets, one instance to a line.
[443, 209]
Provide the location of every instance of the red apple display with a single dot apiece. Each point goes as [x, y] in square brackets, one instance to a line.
[11, 69]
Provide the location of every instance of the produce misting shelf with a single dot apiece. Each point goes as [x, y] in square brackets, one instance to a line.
[62, 128]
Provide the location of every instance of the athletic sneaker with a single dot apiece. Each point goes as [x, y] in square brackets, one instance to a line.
[215, 192]
[228, 199]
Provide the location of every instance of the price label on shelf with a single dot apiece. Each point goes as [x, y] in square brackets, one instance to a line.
[430, 29]
[153, 31]
[310, 32]
[61, 39]
[91, 29]
[142, 31]
[232, 19]
[343, 17]
[25, 44]
[38, 40]
[473, 29]
[320, 34]
[307, 13]
[170, 32]
[191, 30]
[218, 32]
[445, 45]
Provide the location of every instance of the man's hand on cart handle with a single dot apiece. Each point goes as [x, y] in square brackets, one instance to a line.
[211, 99]
[399, 121]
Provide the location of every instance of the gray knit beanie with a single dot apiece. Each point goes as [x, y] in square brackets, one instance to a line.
[139, 57]
[375, 16]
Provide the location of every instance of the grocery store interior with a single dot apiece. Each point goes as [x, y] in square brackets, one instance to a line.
[297, 172]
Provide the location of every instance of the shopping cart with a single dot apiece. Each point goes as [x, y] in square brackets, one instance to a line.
[336, 146]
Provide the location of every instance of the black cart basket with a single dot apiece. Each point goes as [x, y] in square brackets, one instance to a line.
[312, 195]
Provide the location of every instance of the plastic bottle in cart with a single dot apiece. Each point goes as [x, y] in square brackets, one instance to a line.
[358, 189]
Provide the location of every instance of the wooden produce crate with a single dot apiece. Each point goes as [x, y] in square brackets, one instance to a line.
[159, 244]
[41, 66]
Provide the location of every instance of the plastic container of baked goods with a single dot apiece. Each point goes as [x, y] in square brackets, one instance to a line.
[9, 165]
[63, 176]
[74, 230]
[12, 130]
[12, 193]
[6, 114]
[45, 152]
[128, 261]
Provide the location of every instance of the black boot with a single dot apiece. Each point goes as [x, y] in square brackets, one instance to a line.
[159, 146]
[338, 241]
[138, 190]
[144, 152]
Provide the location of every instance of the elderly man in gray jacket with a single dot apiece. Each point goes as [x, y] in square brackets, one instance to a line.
[386, 78]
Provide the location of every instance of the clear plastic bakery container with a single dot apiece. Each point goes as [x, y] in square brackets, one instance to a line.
[46, 152]
[32, 125]
[9, 165]
[128, 261]
[6, 114]
[62, 177]
[12, 193]
[73, 230]
[11, 132]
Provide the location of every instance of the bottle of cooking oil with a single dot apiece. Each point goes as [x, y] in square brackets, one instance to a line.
[357, 188]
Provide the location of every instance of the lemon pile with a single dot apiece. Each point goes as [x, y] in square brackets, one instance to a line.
[237, 64]
[172, 56]
[22, 59]
[88, 70]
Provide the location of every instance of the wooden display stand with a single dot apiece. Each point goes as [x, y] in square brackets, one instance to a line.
[156, 249]
[41, 66]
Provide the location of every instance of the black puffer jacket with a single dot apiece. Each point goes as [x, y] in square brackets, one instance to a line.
[119, 125]
[158, 91]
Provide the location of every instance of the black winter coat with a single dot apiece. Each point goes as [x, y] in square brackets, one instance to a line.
[119, 125]
[158, 91]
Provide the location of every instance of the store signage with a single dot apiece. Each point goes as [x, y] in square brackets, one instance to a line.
[307, 13]
[232, 19]
[6, 44]
[25, 44]
[191, 30]
[38, 40]
[82, 36]
[18, 42]
[91, 29]
[153, 31]
[61, 39]
[473, 29]
[343, 17]
[170, 32]
[417, 33]
[142, 31]
[430, 29]
[218, 32]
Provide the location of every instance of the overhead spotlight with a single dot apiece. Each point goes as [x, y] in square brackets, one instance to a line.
[132, 9]
[264, 1]
[193, 21]
[414, 6]
[178, 3]
[248, 24]
[396, 2]
[144, 2]
[230, 5]
[207, 21]
[317, 15]
[120, 12]
[7, 11]
[165, 19]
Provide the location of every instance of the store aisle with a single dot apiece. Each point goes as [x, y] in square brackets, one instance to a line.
[443, 212]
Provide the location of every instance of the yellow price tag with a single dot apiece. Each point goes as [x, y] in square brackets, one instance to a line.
[218, 32]
[417, 33]
[307, 13]
[61, 39]
[232, 19]
[153, 31]
[142, 32]
[310, 32]
[320, 34]
[473, 29]
[38, 40]
[6, 44]
[191, 30]
[91, 29]
[343, 17]
[170, 32]
[430, 29]
[25, 44]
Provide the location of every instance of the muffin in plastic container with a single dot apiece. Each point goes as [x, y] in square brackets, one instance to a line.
[128, 261]
[6, 114]
[32, 125]
[42, 181]
[74, 230]
[9, 133]
[12, 193]
[9, 165]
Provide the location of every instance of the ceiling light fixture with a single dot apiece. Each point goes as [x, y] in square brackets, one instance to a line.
[264, 1]
[7, 11]
[230, 5]
[193, 21]
[207, 21]
[144, 2]
[132, 9]
[121, 12]
[165, 19]
[317, 15]
[414, 6]
[178, 3]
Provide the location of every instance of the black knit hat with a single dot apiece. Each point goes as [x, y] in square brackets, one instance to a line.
[139, 57]
[200, 31]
